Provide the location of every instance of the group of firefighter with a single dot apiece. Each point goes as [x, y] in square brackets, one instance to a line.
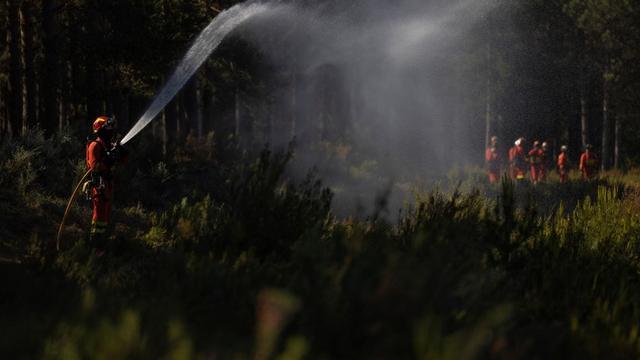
[537, 162]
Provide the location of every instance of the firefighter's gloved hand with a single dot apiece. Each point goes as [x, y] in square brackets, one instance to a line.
[117, 154]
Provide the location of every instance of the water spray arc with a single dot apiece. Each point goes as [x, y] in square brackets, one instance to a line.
[206, 42]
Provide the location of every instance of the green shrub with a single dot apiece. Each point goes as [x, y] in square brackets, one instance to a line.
[511, 271]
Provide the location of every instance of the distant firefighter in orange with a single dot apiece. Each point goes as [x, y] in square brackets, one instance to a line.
[563, 164]
[535, 162]
[588, 163]
[517, 161]
[544, 163]
[493, 160]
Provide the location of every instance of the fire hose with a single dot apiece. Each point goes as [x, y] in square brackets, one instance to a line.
[73, 197]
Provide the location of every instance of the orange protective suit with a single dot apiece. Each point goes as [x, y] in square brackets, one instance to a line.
[492, 157]
[544, 164]
[517, 163]
[535, 159]
[102, 188]
[563, 167]
[588, 165]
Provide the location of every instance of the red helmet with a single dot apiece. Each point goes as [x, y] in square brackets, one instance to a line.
[105, 122]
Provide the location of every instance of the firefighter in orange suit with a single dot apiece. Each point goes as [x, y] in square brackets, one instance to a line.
[535, 161]
[517, 161]
[563, 164]
[101, 154]
[588, 163]
[544, 162]
[492, 157]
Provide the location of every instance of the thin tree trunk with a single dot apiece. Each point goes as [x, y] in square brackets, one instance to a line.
[4, 126]
[190, 103]
[29, 86]
[15, 68]
[488, 111]
[489, 77]
[294, 106]
[269, 136]
[121, 110]
[181, 125]
[606, 126]
[199, 110]
[50, 75]
[93, 79]
[66, 99]
[207, 111]
[236, 114]
[3, 112]
[125, 119]
[109, 92]
[616, 145]
[3, 66]
[456, 119]
[584, 120]
[68, 108]
[354, 116]
[164, 133]
[171, 120]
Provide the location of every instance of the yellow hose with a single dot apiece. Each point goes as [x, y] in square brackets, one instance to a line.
[69, 204]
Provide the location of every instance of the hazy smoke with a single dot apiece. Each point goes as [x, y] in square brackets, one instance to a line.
[386, 76]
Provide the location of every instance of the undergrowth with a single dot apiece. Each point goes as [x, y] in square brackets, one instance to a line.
[233, 259]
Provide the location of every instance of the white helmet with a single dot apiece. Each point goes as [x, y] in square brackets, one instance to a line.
[518, 142]
[564, 148]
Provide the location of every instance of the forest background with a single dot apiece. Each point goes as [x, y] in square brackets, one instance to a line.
[561, 71]
[220, 250]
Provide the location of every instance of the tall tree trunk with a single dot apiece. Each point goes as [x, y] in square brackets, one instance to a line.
[584, 120]
[236, 113]
[488, 98]
[164, 136]
[125, 119]
[109, 91]
[454, 127]
[191, 108]
[121, 110]
[616, 144]
[93, 103]
[207, 109]
[4, 38]
[49, 87]
[171, 121]
[199, 110]
[3, 112]
[294, 106]
[606, 125]
[4, 66]
[66, 99]
[93, 65]
[182, 127]
[67, 63]
[269, 128]
[29, 87]
[15, 68]
[354, 115]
